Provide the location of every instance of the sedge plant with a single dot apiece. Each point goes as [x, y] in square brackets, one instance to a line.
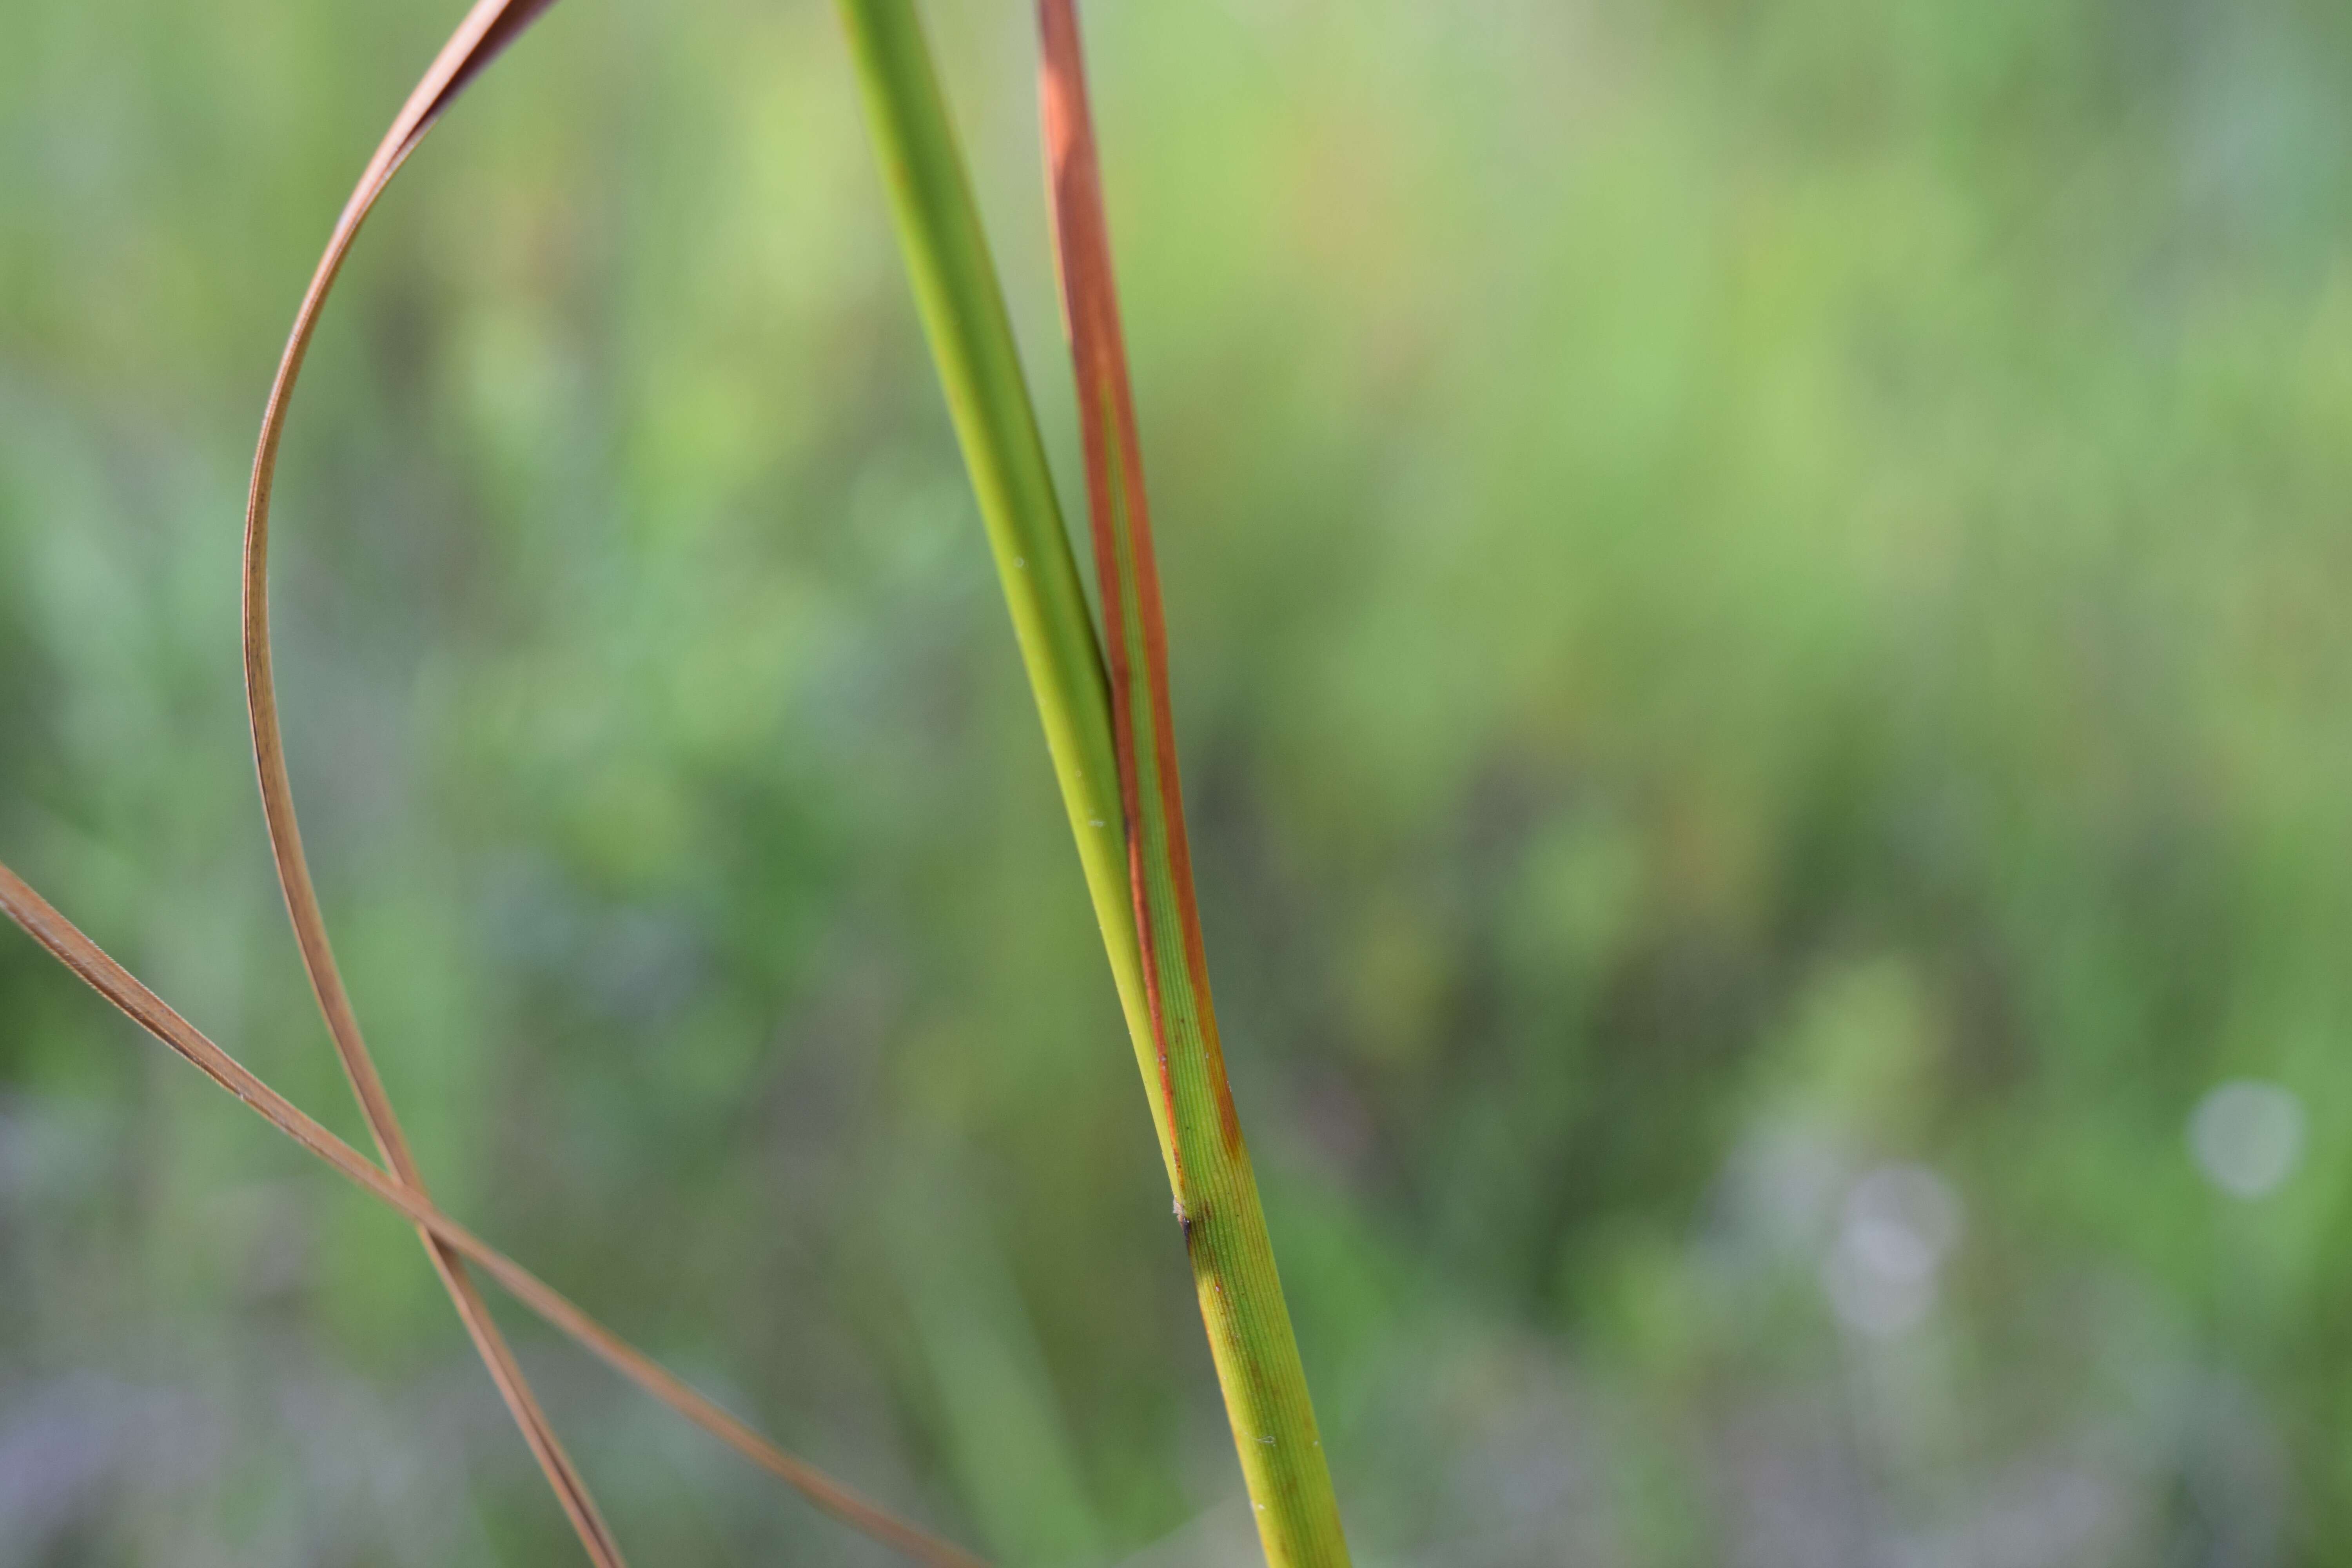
[1107, 722]
[1104, 699]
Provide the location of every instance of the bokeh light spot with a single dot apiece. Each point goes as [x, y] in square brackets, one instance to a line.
[2247, 1136]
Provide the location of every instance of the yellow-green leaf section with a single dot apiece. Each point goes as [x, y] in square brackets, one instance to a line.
[1109, 728]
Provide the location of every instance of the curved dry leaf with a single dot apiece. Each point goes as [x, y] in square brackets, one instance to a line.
[488, 27]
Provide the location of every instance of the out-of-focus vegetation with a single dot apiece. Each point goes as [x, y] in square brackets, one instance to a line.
[1758, 595]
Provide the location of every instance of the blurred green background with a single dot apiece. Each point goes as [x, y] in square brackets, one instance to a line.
[1758, 595]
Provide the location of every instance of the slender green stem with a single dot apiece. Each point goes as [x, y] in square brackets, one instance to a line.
[1129, 831]
[964, 311]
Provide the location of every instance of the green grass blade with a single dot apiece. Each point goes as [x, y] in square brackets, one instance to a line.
[963, 312]
[1109, 730]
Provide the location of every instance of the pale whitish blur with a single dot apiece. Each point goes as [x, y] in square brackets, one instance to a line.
[1899, 1224]
[2248, 1136]
[1759, 599]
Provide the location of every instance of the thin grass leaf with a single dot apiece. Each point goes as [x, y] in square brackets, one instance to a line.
[1217, 1202]
[487, 29]
[963, 314]
[117, 984]
[1108, 729]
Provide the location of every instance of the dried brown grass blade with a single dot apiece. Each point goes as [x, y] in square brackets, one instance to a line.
[488, 27]
[117, 985]
[1250, 1335]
